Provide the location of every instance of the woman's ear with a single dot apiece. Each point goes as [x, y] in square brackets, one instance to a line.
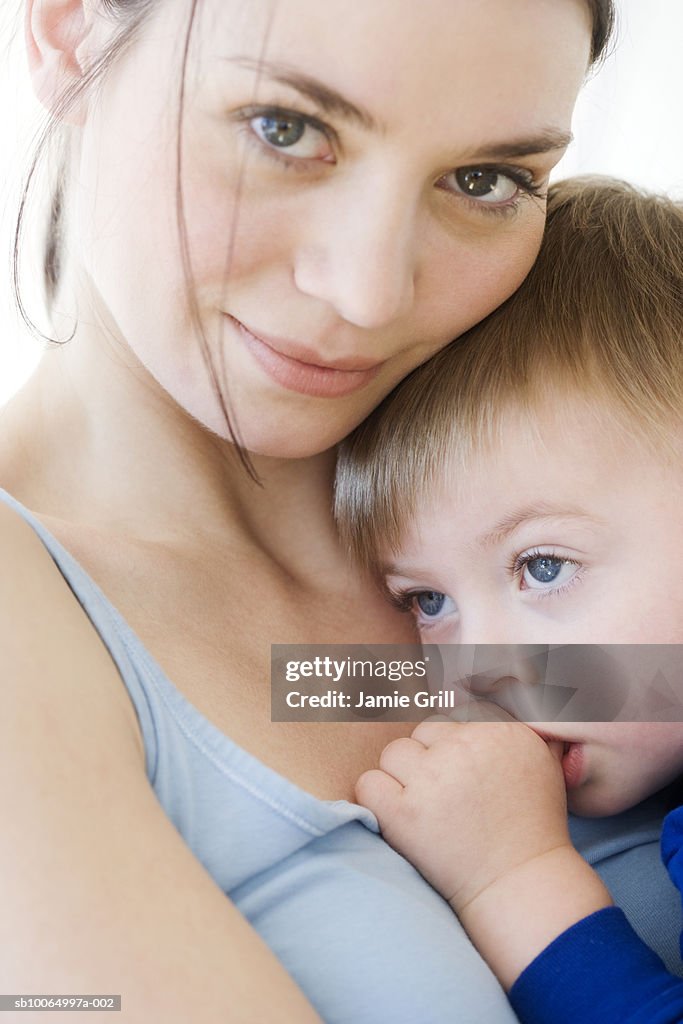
[55, 33]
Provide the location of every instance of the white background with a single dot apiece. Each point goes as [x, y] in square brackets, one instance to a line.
[628, 123]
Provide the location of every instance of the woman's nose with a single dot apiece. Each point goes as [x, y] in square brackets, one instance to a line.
[360, 255]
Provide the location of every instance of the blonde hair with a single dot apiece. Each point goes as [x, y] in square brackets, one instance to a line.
[601, 311]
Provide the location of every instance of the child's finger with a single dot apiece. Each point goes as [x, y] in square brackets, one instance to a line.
[378, 792]
[481, 711]
[429, 732]
[401, 757]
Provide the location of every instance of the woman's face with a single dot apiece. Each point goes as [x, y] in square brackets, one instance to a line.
[360, 183]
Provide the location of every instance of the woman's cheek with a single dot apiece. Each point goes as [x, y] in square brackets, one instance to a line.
[473, 267]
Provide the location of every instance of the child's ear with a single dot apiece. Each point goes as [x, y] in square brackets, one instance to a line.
[55, 34]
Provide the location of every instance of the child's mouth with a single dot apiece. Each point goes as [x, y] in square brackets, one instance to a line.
[573, 764]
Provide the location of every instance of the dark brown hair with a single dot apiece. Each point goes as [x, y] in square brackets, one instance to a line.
[128, 16]
[601, 312]
[603, 27]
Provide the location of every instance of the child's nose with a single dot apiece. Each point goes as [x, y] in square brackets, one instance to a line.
[512, 676]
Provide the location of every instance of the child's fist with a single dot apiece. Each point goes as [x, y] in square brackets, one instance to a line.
[466, 804]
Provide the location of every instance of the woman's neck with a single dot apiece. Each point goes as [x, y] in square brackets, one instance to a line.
[93, 439]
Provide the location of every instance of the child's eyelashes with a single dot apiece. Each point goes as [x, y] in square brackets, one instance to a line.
[539, 572]
[545, 571]
[428, 606]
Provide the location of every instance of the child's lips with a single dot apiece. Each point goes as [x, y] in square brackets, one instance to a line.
[573, 758]
[573, 764]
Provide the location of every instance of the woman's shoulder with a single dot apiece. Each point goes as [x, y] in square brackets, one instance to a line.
[86, 845]
[53, 658]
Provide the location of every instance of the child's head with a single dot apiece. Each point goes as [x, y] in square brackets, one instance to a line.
[526, 486]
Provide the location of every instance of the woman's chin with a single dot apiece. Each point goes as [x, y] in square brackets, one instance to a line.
[286, 445]
[295, 434]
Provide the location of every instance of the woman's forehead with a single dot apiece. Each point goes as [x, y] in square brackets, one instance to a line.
[510, 67]
[415, 39]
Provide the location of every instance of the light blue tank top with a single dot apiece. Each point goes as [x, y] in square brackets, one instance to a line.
[355, 925]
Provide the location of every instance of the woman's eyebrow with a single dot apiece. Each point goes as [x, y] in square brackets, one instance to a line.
[332, 102]
[544, 141]
[329, 100]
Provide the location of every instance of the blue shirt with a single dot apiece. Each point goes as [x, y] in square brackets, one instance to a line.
[600, 971]
[364, 936]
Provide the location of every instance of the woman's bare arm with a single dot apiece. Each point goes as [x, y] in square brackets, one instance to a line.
[99, 893]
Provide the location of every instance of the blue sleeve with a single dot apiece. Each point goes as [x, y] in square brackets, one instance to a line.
[598, 972]
[672, 850]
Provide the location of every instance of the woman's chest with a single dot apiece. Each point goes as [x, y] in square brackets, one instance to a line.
[209, 624]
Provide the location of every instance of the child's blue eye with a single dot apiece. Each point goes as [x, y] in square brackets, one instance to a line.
[544, 570]
[430, 602]
[428, 606]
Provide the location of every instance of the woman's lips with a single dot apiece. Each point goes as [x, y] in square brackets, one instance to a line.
[292, 368]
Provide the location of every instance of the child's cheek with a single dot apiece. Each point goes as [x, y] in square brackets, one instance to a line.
[598, 798]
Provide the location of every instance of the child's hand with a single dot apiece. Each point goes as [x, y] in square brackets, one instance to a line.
[468, 804]
[480, 810]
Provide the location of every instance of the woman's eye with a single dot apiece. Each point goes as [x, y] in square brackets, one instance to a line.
[431, 604]
[294, 135]
[487, 185]
[546, 572]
